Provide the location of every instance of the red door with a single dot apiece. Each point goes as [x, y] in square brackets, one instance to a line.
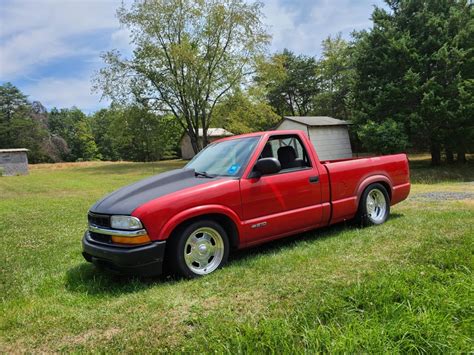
[283, 203]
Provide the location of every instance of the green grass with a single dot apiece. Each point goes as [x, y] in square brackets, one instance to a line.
[405, 286]
[424, 173]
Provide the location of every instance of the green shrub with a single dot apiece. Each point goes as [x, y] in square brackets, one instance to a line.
[383, 138]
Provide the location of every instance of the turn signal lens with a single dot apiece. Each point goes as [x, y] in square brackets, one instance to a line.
[142, 239]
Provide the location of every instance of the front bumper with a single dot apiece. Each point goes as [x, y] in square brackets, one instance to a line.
[144, 260]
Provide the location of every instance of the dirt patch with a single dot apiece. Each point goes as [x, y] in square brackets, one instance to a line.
[444, 196]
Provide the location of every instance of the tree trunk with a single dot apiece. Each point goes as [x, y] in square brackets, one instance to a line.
[204, 137]
[205, 126]
[435, 154]
[449, 156]
[194, 137]
[461, 156]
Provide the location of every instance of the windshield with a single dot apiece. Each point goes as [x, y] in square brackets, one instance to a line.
[227, 158]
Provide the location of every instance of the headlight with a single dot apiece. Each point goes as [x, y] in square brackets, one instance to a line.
[125, 222]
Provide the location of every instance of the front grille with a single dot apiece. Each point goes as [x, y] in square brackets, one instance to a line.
[99, 220]
[101, 238]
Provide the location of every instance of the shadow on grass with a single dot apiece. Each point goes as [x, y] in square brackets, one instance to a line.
[289, 242]
[89, 279]
[294, 241]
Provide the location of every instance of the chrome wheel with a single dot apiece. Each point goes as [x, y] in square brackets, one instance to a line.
[203, 250]
[376, 206]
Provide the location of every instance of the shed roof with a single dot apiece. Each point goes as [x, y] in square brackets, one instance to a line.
[216, 132]
[211, 132]
[315, 121]
[14, 150]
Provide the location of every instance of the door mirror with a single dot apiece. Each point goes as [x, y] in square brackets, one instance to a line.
[266, 166]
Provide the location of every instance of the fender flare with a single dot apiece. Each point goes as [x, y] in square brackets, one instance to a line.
[194, 212]
[371, 180]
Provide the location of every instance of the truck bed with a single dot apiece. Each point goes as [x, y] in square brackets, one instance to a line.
[349, 177]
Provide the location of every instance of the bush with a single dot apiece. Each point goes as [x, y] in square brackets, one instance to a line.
[383, 138]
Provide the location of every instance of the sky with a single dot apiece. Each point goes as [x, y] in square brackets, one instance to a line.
[50, 49]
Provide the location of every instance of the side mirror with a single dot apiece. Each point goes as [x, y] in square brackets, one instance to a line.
[266, 166]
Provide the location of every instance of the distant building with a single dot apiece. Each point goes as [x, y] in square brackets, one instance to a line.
[13, 162]
[213, 134]
[329, 136]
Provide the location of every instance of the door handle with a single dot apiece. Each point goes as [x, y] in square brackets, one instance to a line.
[314, 179]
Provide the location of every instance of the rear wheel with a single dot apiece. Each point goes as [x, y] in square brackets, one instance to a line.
[374, 207]
[199, 249]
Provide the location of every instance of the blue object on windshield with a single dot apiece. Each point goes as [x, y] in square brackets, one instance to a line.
[233, 169]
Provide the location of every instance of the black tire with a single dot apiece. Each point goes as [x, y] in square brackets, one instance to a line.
[367, 218]
[179, 241]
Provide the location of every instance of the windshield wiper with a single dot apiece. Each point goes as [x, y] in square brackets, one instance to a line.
[203, 174]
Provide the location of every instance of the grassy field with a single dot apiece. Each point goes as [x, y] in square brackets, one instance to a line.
[405, 286]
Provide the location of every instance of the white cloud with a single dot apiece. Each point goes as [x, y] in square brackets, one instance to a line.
[33, 33]
[302, 26]
[281, 21]
[64, 93]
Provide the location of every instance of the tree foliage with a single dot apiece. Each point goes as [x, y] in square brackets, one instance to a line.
[24, 125]
[189, 54]
[335, 74]
[241, 113]
[415, 67]
[290, 82]
[133, 133]
[383, 138]
[75, 127]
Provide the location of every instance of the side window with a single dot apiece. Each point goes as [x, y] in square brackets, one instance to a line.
[288, 150]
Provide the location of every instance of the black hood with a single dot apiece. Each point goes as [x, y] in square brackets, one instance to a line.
[128, 198]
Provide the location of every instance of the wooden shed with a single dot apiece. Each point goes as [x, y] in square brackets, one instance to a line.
[13, 162]
[330, 136]
[213, 134]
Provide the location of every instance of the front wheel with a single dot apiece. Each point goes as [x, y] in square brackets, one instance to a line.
[374, 207]
[199, 249]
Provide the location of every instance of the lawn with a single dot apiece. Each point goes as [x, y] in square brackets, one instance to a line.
[405, 286]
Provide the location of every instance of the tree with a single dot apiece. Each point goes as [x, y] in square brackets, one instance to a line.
[335, 74]
[290, 82]
[75, 127]
[189, 54]
[383, 138]
[134, 133]
[241, 113]
[414, 67]
[13, 103]
[105, 138]
[24, 125]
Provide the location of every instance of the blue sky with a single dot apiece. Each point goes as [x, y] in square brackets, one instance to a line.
[50, 49]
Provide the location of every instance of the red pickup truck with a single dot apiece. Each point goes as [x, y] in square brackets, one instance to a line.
[238, 192]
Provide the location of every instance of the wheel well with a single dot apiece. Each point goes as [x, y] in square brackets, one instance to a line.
[384, 184]
[387, 188]
[226, 223]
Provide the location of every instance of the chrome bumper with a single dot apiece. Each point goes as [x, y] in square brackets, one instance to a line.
[116, 232]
